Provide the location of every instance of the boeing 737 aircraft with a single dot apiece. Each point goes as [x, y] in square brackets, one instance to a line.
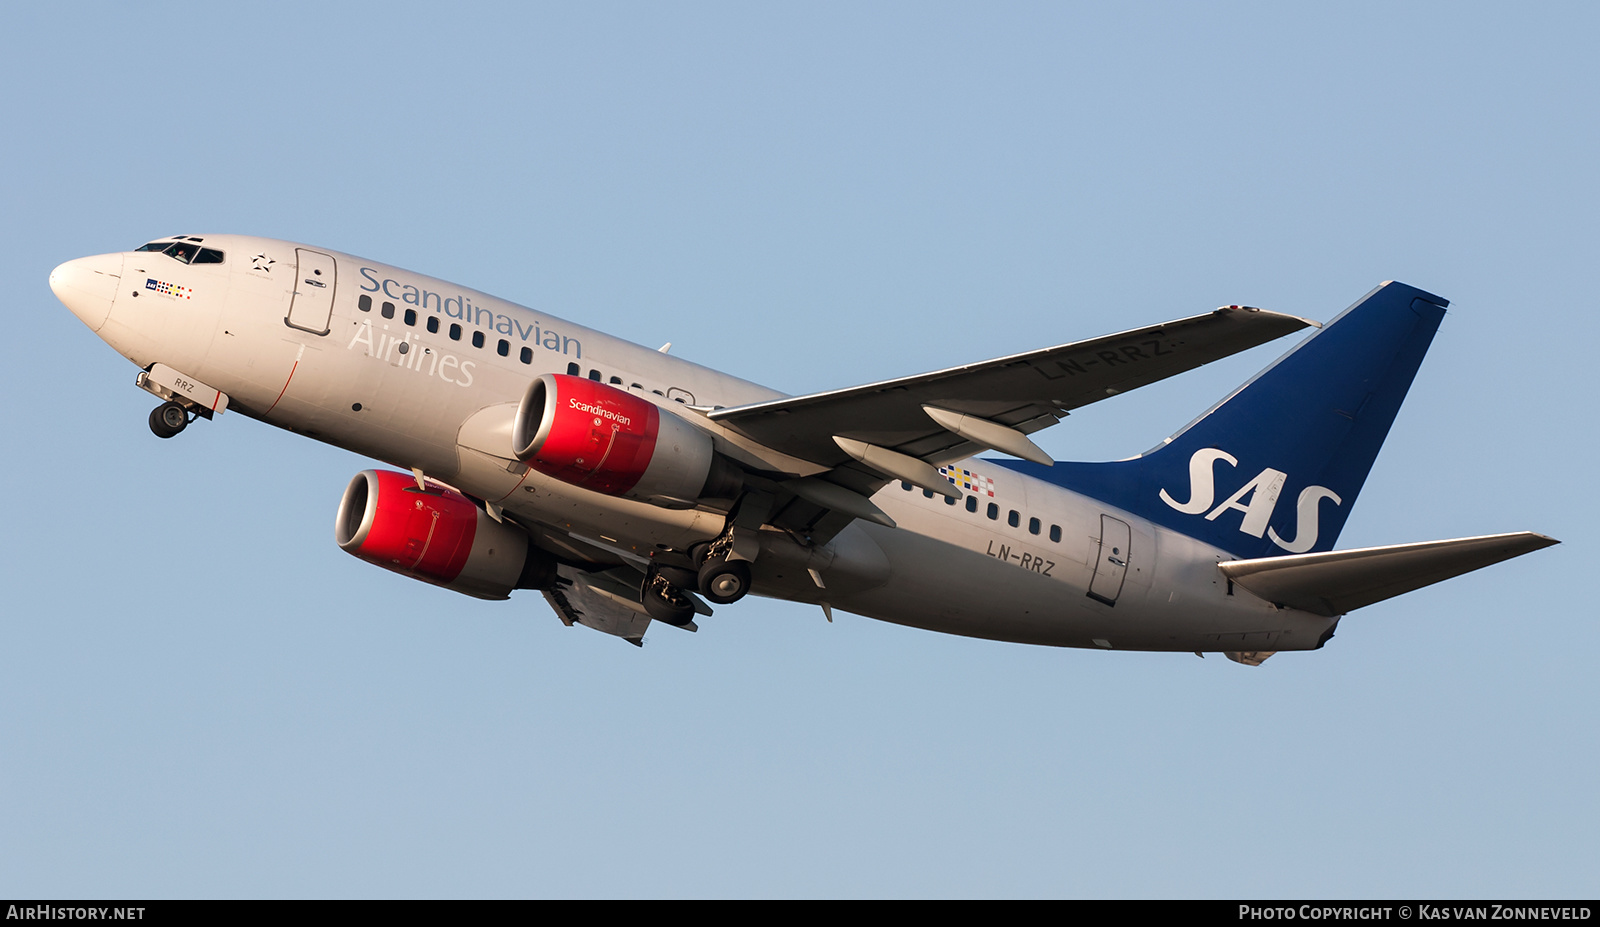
[628, 485]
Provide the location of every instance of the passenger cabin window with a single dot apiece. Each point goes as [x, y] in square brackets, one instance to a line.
[994, 511]
[388, 310]
[527, 355]
[972, 503]
[573, 370]
[1013, 518]
[411, 317]
[1055, 533]
[616, 380]
[1033, 526]
[594, 375]
[365, 302]
[503, 348]
[433, 324]
[477, 339]
[455, 332]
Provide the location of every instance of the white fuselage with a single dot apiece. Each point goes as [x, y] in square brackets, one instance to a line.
[344, 363]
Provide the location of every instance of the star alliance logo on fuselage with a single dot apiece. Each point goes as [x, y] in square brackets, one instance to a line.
[262, 263]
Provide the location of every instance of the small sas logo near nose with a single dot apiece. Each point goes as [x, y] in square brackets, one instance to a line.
[1256, 499]
[169, 289]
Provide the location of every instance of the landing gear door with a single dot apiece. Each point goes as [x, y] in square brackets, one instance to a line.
[311, 307]
[1112, 567]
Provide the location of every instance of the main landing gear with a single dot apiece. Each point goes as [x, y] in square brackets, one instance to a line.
[169, 418]
[718, 578]
[666, 602]
[724, 581]
[720, 568]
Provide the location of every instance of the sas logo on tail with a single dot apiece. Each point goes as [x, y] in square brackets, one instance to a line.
[1262, 493]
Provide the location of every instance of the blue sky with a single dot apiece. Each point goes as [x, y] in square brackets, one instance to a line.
[204, 697]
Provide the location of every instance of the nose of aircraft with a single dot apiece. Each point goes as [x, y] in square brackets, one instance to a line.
[88, 286]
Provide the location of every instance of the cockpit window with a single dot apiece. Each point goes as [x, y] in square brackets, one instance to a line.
[185, 252]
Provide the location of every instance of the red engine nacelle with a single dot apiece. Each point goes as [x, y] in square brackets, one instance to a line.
[611, 441]
[438, 536]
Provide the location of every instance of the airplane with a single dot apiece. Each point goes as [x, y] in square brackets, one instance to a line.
[627, 485]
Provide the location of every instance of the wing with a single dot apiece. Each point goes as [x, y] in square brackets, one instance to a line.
[904, 428]
[1024, 392]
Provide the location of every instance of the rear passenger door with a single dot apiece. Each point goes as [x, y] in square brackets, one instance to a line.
[1112, 568]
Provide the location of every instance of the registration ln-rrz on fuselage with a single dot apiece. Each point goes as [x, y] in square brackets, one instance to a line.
[627, 485]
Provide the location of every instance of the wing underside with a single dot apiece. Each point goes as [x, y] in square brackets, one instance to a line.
[598, 601]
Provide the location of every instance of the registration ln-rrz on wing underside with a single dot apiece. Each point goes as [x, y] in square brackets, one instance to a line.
[628, 485]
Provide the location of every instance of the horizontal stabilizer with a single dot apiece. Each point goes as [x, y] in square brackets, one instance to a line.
[1339, 581]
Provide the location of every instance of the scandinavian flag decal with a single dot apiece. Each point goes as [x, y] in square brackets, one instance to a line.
[971, 482]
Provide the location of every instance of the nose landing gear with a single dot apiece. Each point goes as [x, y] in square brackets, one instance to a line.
[186, 399]
[169, 418]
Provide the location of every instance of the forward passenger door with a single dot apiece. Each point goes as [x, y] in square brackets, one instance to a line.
[311, 307]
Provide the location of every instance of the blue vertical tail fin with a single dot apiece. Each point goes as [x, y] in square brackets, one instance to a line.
[1276, 467]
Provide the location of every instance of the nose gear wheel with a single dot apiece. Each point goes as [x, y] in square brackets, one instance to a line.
[169, 418]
